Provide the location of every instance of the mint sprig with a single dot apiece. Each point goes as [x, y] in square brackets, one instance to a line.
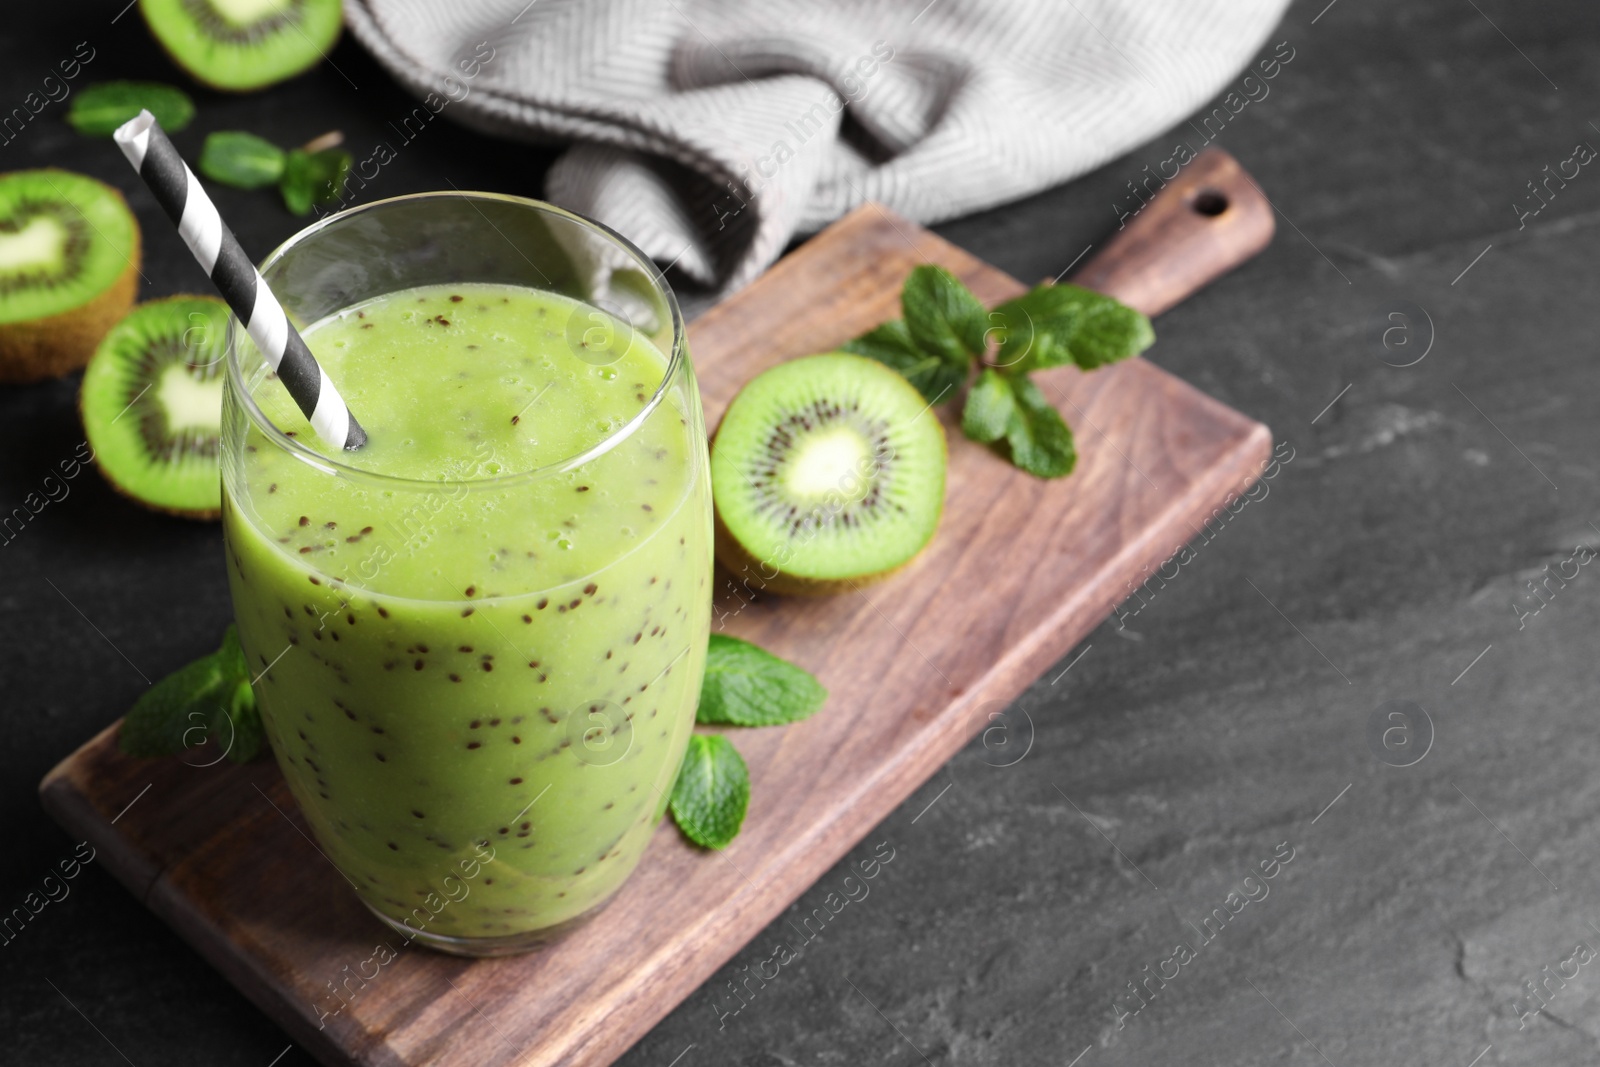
[305, 176]
[945, 331]
[99, 109]
[712, 793]
[745, 685]
[209, 698]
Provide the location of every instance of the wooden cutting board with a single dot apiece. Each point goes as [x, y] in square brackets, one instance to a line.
[222, 854]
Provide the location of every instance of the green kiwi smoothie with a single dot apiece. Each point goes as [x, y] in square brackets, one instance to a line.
[480, 637]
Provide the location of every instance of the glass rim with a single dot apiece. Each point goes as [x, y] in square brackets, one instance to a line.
[677, 359]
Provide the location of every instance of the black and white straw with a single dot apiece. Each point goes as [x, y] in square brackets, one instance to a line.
[236, 278]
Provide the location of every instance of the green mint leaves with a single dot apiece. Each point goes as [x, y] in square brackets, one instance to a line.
[241, 160]
[945, 330]
[209, 698]
[712, 792]
[304, 178]
[744, 686]
[748, 686]
[99, 109]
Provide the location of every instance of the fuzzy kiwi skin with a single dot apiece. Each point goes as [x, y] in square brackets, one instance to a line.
[738, 561]
[56, 345]
[200, 514]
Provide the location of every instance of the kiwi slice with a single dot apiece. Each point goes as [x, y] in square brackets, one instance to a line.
[152, 404]
[827, 472]
[240, 45]
[69, 268]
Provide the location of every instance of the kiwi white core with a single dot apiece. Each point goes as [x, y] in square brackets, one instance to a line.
[188, 402]
[40, 243]
[245, 12]
[829, 462]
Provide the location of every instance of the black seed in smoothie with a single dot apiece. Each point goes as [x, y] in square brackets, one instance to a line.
[575, 603]
[382, 613]
[330, 526]
[475, 724]
[609, 805]
[583, 489]
[580, 870]
[351, 619]
[591, 589]
[293, 640]
[534, 664]
[548, 714]
[516, 781]
[638, 637]
[527, 618]
[390, 665]
[505, 829]
[472, 590]
[464, 648]
[334, 634]
[646, 507]
[305, 520]
[381, 758]
[455, 677]
[348, 713]
[418, 665]
[418, 814]
[516, 740]
[543, 603]
[394, 847]
[465, 612]
[455, 299]
[608, 653]
[377, 729]
[474, 744]
[494, 722]
[488, 881]
[487, 665]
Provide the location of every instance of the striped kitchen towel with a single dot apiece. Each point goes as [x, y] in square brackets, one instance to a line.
[710, 132]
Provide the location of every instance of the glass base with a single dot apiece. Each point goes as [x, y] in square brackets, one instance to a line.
[484, 947]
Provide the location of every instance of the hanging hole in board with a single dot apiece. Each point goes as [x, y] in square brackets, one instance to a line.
[1210, 203]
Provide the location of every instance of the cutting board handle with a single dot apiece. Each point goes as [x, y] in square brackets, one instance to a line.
[1195, 228]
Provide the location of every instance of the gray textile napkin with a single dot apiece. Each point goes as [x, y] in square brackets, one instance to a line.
[710, 132]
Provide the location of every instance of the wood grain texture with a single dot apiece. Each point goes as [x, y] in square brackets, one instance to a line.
[1203, 223]
[222, 855]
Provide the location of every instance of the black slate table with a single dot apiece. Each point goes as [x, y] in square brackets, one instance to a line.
[1088, 903]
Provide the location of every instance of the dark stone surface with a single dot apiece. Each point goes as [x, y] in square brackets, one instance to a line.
[1192, 738]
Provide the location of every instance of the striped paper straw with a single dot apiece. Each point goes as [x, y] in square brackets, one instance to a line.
[236, 278]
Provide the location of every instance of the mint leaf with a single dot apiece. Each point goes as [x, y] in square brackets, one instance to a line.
[313, 178]
[99, 109]
[209, 697]
[712, 792]
[990, 407]
[1054, 325]
[1041, 442]
[162, 721]
[242, 160]
[942, 315]
[934, 376]
[245, 732]
[749, 686]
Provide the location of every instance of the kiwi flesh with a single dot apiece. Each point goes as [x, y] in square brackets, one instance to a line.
[828, 472]
[152, 404]
[69, 268]
[239, 45]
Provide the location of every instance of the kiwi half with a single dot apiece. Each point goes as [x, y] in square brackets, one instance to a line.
[152, 404]
[69, 268]
[239, 45]
[827, 472]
